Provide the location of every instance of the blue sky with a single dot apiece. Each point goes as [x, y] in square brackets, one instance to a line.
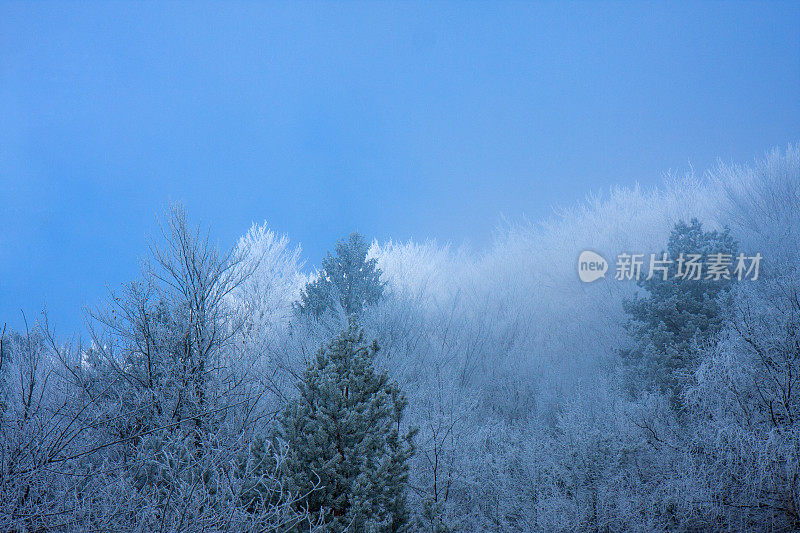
[400, 120]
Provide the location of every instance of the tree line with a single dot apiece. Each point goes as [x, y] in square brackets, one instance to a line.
[412, 387]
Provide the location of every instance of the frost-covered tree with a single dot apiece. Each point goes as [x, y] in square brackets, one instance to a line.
[345, 437]
[168, 336]
[748, 407]
[266, 296]
[171, 372]
[41, 431]
[348, 280]
[678, 313]
[745, 397]
[5, 357]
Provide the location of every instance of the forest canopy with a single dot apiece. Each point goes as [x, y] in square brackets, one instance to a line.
[412, 386]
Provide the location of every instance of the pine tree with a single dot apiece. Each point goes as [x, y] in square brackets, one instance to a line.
[676, 314]
[348, 279]
[344, 435]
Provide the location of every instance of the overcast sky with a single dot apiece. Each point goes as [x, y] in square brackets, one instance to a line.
[398, 120]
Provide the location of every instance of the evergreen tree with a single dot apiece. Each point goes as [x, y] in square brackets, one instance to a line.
[348, 279]
[676, 314]
[346, 451]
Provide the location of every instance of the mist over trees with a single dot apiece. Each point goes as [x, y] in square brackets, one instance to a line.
[231, 391]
